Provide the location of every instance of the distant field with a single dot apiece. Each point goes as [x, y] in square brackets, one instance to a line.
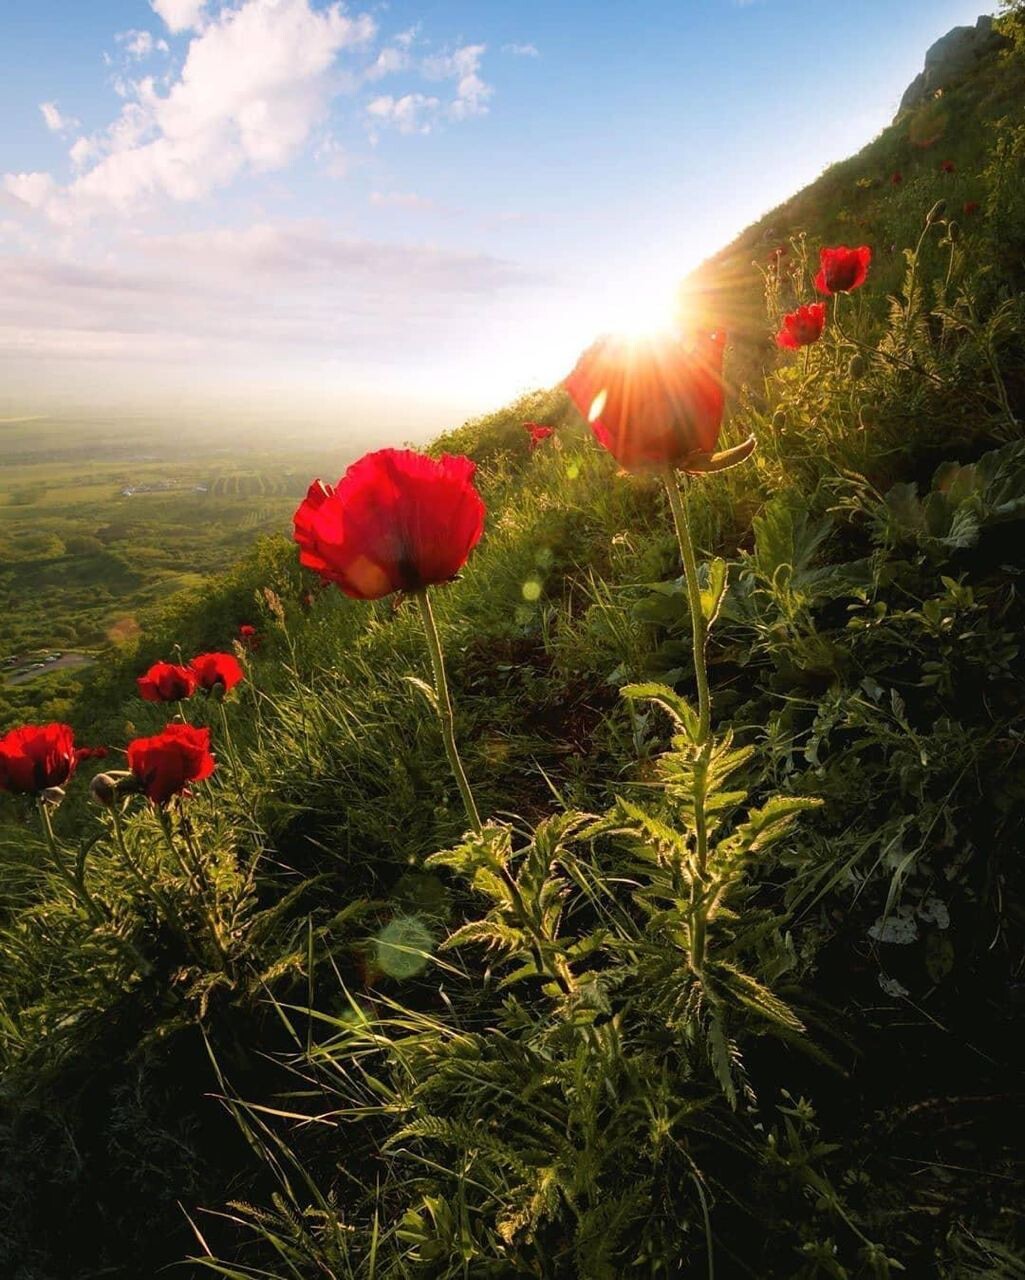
[98, 522]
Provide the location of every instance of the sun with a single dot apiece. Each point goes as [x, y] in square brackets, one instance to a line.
[644, 312]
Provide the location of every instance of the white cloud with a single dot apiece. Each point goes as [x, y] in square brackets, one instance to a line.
[401, 200]
[179, 15]
[391, 59]
[231, 292]
[412, 113]
[141, 44]
[56, 122]
[463, 66]
[255, 82]
[522, 50]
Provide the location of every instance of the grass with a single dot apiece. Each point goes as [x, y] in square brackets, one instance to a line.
[344, 1048]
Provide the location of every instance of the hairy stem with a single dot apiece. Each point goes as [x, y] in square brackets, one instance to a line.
[444, 704]
[75, 883]
[703, 741]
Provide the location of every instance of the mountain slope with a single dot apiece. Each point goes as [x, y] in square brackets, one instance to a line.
[845, 1101]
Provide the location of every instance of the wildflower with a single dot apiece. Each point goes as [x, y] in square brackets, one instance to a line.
[802, 327]
[35, 758]
[166, 682]
[777, 255]
[537, 432]
[970, 208]
[656, 404]
[216, 671]
[842, 270]
[397, 521]
[165, 764]
[948, 166]
[896, 179]
[248, 638]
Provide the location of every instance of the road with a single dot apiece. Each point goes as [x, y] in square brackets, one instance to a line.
[19, 675]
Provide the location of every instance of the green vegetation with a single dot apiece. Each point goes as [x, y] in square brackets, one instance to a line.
[345, 1047]
[92, 536]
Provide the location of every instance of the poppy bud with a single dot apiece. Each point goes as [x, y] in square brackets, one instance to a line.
[52, 795]
[936, 212]
[779, 419]
[107, 788]
[953, 231]
[856, 366]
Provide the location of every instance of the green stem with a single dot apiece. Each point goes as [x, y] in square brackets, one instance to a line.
[703, 741]
[444, 704]
[75, 883]
[149, 886]
[447, 719]
[198, 882]
[699, 628]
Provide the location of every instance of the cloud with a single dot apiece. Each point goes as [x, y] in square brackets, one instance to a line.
[179, 15]
[55, 121]
[391, 59]
[255, 82]
[412, 113]
[522, 50]
[401, 200]
[140, 44]
[236, 293]
[463, 66]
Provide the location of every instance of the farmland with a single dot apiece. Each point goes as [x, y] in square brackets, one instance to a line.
[100, 522]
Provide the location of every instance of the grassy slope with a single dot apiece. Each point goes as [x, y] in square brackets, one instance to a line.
[879, 672]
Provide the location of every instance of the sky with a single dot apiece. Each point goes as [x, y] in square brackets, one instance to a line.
[394, 216]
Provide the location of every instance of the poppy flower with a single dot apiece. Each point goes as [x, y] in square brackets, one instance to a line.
[216, 669]
[37, 757]
[970, 207]
[802, 327]
[537, 432]
[842, 270]
[397, 521]
[948, 166]
[166, 682]
[657, 403]
[896, 179]
[165, 764]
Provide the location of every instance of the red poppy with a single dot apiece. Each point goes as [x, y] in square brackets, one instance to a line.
[38, 756]
[970, 207]
[897, 179]
[537, 432]
[166, 682]
[397, 521]
[165, 764]
[213, 669]
[802, 327]
[657, 403]
[842, 270]
[948, 166]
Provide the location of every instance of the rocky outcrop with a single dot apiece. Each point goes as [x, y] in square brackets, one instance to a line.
[951, 57]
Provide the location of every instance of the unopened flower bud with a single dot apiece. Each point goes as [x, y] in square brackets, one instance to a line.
[52, 795]
[108, 788]
[779, 419]
[856, 366]
[953, 231]
[936, 212]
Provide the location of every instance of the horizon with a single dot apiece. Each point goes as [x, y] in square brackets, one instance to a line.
[382, 220]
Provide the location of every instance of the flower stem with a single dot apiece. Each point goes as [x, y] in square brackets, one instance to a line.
[703, 739]
[444, 704]
[699, 628]
[75, 883]
[447, 719]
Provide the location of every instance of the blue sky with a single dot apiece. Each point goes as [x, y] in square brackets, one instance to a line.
[397, 213]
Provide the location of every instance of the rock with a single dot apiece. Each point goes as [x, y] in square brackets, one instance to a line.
[951, 57]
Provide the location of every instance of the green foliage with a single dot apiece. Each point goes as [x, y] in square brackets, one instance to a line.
[739, 1007]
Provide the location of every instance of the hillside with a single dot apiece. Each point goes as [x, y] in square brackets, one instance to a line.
[274, 1033]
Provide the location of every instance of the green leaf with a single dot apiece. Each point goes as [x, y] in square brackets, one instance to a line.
[715, 589]
[678, 708]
